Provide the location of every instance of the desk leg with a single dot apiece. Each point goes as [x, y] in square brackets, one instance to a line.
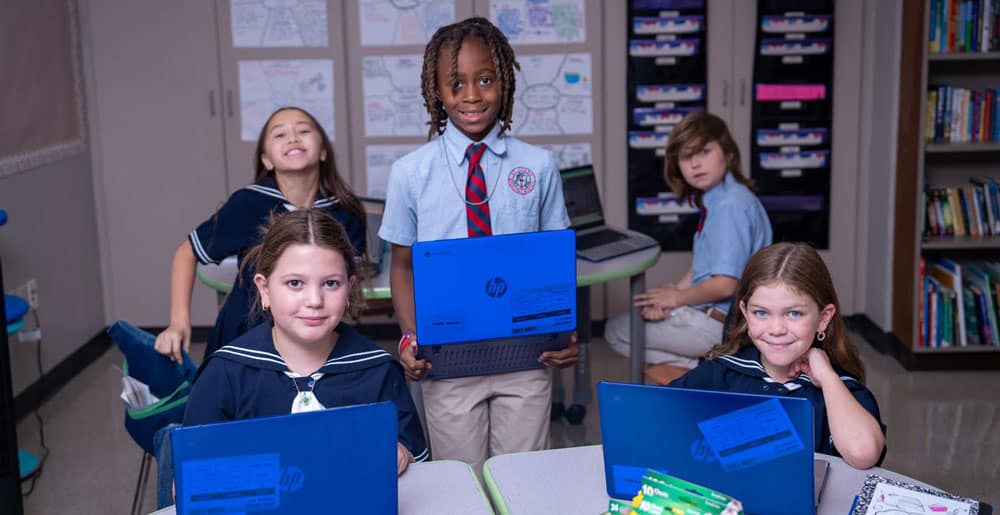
[582, 395]
[637, 331]
[581, 370]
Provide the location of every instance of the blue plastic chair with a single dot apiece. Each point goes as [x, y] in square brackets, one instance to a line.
[170, 382]
[15, 310]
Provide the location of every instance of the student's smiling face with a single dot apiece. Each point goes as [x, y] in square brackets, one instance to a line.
[782, 323]
[472, 99]
[307, 293]
[292, 142]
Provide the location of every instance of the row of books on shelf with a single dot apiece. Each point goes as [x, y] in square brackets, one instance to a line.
[960, 115]
[958, 303]
[964, 26]
[963, 210]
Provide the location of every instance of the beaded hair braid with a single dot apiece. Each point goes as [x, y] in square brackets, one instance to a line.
[451, 37]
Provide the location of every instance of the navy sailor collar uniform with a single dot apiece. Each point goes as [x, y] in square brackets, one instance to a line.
[235, 228]
[743, 372]
[249, 379]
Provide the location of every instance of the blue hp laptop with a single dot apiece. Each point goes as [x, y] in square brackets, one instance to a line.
[754, 448]
[493, 304]
[321, 461]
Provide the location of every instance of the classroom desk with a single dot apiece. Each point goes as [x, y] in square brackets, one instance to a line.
[588, 273]
[572, 481]
[432, 488]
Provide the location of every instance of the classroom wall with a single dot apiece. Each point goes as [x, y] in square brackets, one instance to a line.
[881, 83]
[51, 235]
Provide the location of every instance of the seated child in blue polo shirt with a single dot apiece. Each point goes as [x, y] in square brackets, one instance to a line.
[789, 338]
[684, 320]
[304, 358]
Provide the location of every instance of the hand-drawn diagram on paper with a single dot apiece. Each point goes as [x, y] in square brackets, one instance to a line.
[569, 155]
[402, 22]
[279, 23]
[378, 164]
[527, 22]
[553, 95]
[268, 85]
[393, 104]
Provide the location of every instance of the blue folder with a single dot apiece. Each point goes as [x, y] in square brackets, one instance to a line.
[333, 460]
[493, 304]
[757, 449]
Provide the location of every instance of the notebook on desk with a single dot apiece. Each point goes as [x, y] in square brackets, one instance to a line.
[755, 448]
[321, 461]
[493, 304]
[595, 241]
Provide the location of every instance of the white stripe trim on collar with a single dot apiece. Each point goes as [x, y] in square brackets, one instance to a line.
[745, 363]
[342, 361]
[347, 356]
[227, 350]
[422, 456]
[254, 351]
[271, 192]
[329, 201]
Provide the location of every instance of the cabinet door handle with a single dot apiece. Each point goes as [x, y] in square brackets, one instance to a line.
[229, 103]
[211, 102]
[725, 92]
[743, 91]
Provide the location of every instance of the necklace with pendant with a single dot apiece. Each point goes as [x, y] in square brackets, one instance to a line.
[447, 159]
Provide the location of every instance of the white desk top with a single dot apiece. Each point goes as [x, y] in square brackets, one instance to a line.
[572, 481]
[432, 488]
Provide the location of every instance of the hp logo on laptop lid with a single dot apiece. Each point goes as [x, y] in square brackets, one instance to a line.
[496, 287]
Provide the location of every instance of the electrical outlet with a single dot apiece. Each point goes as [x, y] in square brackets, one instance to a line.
[31, 293]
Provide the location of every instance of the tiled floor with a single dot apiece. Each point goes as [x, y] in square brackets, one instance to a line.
[944, 429]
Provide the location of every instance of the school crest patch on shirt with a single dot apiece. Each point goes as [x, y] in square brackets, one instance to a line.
[521, 180]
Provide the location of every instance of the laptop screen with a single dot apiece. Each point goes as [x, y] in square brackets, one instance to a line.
[297, 463]
[472, 289]
[582, 201]
[733, 443]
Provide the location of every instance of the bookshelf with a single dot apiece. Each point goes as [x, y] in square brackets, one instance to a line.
[937, 161]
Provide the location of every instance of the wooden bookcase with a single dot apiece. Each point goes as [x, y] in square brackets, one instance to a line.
[920, 163]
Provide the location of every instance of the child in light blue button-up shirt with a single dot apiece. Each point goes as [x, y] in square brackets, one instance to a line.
[468, 88]
[684, 319]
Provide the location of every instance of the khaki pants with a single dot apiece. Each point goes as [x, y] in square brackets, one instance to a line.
[686, 335]
[473, 418]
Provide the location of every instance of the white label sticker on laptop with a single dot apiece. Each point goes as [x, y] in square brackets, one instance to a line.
[751, 435]
[539, 309]
[233, 484]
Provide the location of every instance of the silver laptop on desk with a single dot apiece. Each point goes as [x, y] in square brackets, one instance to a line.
[595, 241]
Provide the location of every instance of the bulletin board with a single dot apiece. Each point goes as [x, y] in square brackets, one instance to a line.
[41, 97]
[792, 117]
[666, 80]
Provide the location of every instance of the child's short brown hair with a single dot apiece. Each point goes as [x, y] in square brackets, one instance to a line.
[689, 136]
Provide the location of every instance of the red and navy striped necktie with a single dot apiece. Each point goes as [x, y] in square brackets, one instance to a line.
[477, 210]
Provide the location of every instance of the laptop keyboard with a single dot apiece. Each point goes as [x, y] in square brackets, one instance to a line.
[488, 356]
[595, 239]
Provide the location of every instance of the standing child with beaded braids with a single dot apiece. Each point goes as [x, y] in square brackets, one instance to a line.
[472, 179]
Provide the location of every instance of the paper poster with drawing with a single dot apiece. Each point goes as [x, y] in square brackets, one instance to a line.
[268, 85]
[533, 22]
[554, 95]
[402, 22]
[288, 23]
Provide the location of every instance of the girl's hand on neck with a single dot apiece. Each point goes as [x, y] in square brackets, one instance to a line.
[816, 364]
